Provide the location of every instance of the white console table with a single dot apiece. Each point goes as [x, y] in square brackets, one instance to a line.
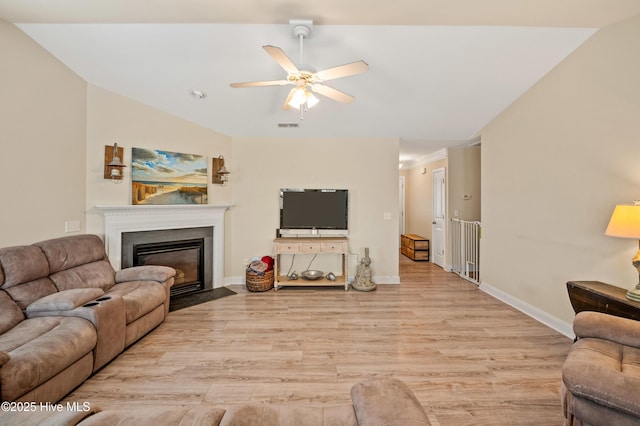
[338, 245]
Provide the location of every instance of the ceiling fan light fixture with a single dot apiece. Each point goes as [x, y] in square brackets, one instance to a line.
[302, 97]
[311, 99]
[306, 79]
[298, 98]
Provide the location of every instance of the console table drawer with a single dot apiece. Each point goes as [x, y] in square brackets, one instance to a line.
[331, 247]
[288, 247]
[309, 247]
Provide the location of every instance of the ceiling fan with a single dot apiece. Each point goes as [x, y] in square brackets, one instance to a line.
[305, 79]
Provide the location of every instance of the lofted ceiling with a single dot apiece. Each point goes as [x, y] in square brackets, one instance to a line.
[438, 70]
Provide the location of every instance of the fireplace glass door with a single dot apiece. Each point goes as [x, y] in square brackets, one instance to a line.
[186, 257]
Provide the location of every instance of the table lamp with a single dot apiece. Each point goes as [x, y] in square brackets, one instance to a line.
[625, 223]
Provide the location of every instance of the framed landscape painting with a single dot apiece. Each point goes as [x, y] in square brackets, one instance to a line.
[163, 177]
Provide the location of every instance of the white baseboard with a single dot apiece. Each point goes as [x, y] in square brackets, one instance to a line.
[535, 313]
[234, 280]
[392, 279]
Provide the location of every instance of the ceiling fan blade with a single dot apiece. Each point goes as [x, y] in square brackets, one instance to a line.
[340, 71]
[261, 83]
[285, 105]
[282, 59]
[332, 93]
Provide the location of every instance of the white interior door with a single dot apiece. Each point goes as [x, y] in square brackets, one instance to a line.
[438, 226]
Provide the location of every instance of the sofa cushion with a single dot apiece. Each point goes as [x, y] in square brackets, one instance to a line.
[157, 416]
[387, 401]
[10, 313]
[25, 271]
[27, 293]
[64, 300]
[140, 297]
[69, 252]
[21, 264]
[603, 371]
[39, 349]
[289, 414]
[98, 274]
[44, 417]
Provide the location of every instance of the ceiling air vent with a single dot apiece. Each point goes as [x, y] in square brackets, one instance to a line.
[287, 125]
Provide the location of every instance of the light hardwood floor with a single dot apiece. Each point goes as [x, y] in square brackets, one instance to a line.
[469, 358]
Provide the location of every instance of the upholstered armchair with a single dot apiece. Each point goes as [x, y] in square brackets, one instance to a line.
[601, 375]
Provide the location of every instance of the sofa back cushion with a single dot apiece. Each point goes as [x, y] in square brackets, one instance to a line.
[10, 313]
[78, 261]
[24, 274]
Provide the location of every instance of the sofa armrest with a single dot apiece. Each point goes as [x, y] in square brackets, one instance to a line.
[160, 274]
[387, 402]
[604, 326]
[66, 300]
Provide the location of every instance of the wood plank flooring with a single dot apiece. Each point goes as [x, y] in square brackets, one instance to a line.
[469, 358]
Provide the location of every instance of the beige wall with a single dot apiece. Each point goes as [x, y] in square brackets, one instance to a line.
[42, 129]
[367, 168]
[554, 164]
[464, 182]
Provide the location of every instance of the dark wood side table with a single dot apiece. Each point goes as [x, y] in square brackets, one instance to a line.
[601, 297]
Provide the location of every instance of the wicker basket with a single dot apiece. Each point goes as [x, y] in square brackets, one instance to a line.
[257, 282]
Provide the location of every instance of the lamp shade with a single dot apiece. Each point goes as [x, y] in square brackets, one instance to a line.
[298, 99]
[625, 221]
[311, 99]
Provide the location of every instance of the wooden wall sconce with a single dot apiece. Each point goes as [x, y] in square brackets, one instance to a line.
[219, 173]
[113, 166]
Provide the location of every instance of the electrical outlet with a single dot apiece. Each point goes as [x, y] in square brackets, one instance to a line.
[387, 216]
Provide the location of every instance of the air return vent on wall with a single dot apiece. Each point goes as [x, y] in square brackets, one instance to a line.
[287, 125]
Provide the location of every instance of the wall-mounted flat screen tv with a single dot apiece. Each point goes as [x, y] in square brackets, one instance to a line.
[314, 209]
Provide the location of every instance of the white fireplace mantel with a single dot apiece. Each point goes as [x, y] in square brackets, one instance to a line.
[129, 218]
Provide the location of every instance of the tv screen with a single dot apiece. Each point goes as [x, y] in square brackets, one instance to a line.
[314, 209]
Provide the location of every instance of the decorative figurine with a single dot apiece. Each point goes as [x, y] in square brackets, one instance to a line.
[362, 281]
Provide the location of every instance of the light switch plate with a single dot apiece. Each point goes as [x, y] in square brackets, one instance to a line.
[72, 226]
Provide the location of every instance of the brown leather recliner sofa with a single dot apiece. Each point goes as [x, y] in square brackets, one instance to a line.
[65, 313]
[601, 375]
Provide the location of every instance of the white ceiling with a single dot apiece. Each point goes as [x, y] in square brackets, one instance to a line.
[439, 71]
